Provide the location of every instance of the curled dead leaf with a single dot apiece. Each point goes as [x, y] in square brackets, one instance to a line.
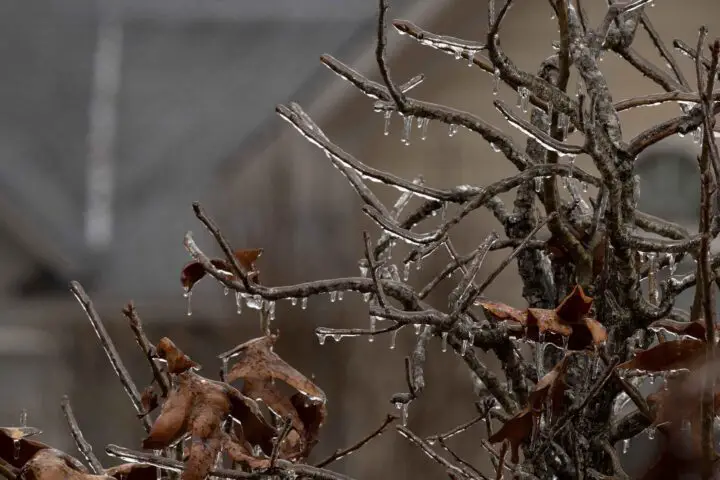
[500, 311]
[694, 329]
[574, 307]
[199, 406]
[255, 359]
[516, 430]
[15, 446]
[549, 392]
[259, 367]
[193, 272]
[133, 471]
[665, 356]
[176, 360]
[52, 464]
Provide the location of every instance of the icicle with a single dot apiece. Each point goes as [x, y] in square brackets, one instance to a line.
[423, 128]
[572, 167]
[625, 446]
[566, 340]
[452, 130]
[539, 354]
[444, 341]
[564, 124]
[333, 296]
[538, 184]
[407, 128]
[471, 339]
[16, 449]
[337, 337]
[697, 135]
[404, 414]
[373, 322]
[340, 295]
[496, 81]
[293, 301]
[158, 471]
[388, 116]
[549, 112]
[226, 290]
[672, 266]
[471, 56]
[238, 302]
[303, 303]
[393, 339]
[271, 310]
[406, 271]
[225, 365]
[394, 273]
[524, 98]
[188, 296]
[23, 418]
[364, 270]
[418, 327]
[418, 263]
[651, 430]
[420, 121]
[321, 337]
[464, 346]
[254, 301]
[366, 297]
[584, 186]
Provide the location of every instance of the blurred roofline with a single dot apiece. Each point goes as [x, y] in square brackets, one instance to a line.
[321, 94]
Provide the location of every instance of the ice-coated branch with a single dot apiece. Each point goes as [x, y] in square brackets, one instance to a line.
[82, 445]
[110, 350]
[147, 347]
[340, 453]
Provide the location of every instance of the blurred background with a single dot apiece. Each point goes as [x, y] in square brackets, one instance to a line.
[115, 116]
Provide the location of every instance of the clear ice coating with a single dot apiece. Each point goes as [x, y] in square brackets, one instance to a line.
[496, 81]
[188, 296]
[406, 271]
[444, 336]
[254, 301]
[393, 339]
[388, 116]
[407, 128]
[523, 99]
[423, 124]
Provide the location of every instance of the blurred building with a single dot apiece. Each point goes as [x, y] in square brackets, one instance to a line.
[113, 120]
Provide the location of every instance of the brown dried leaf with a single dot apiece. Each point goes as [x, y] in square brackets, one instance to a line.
[547, 321]
[256, 360]
[550, 390]
[673, 355]
[574, 307]
[500, 311]
[694, 329]
[149, 400]
[10, 436]
[193, 272]
[52, 464]
[197, 406]
[133, 471]
[177, 361]
[516, 430]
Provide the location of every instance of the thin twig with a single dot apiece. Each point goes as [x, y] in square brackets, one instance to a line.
[346, 451]
[111, 351]
[286, 427]
[82, 445]
[148, 349]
